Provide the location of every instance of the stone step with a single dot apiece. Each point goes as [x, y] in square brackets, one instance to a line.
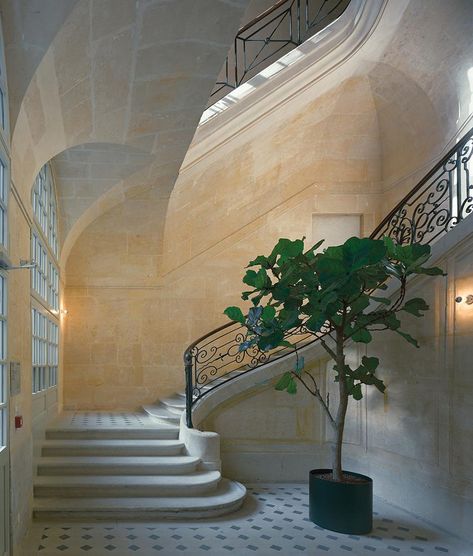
[138, 433]
[175, 402]
[111, 448]
[119, 486]
[162, 414]
[80, 465]
[173, 406]
[226, 498]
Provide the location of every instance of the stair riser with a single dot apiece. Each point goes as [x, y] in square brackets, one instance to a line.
[175, 410]
[134, 515]
[125, 451]
[120, 434]
[117, 491]
[166, 421]
[171, 419]
[108, 470]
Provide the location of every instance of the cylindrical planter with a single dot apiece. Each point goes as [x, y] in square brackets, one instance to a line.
[345, 507]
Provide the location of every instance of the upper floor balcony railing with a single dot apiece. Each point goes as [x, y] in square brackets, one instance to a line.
[275, 32]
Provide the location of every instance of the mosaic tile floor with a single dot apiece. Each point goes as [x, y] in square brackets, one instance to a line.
[272, 521]
[96, 419]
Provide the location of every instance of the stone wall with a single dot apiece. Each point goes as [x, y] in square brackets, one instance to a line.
[132, 309]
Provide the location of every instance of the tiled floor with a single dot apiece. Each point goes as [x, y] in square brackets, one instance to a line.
[274, 520]
[97, 419]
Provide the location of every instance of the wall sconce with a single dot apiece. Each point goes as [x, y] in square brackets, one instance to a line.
[5, 263]
[468, 299]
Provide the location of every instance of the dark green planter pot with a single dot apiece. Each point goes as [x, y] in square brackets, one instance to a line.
[342, 507]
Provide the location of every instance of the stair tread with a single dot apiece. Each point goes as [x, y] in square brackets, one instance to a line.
[151, 427]
[161, 412]
[113, 442]
[118, 460]
[227, 492]
[179, 481]
[175, 401]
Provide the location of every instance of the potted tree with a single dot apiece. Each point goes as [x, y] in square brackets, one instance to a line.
[336, 295]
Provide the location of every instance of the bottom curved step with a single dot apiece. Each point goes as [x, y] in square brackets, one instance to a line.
[227, 497]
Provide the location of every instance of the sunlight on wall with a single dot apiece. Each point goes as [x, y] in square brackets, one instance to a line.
[470, 80]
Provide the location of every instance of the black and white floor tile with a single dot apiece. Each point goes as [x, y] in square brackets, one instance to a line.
[274, 520]
[98, 419]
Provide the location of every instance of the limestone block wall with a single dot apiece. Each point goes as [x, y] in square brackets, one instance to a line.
[116, 306]
[132, 309]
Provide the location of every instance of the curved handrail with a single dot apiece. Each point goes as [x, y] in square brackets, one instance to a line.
[442, 199]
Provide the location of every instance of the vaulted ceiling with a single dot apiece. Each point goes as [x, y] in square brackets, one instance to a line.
[111, 91]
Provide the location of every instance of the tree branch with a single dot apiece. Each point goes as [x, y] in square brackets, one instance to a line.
[320, 398]
[328, 349]
[316, 394]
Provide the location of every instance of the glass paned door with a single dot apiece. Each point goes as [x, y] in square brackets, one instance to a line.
[4, 459]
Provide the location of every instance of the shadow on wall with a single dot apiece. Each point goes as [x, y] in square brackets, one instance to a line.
[86, 172]
[410, 128]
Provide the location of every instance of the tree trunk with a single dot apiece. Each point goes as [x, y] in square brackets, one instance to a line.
[341, 412]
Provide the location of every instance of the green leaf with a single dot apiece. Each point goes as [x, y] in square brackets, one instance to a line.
[370, 363]
[284, 381]
[359, 252]
[432, 271]
[260, 260]
[292, 387]
[285, 249]
[268, 313]
[316, 322]
[315, 247]
[254, 314]
[262, 280]
[356, 391]
[300, 362]
[289, 318]
[285, 343]
[390, 246]
[250, 278]
[359, 305]
[266, 343]
[392, 321]
[330, 269]
[408, 337]
[235, 314]
[414, 306]
[362, 335]
[281, 292]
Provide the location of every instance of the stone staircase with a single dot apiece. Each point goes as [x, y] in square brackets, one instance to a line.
[110, 466]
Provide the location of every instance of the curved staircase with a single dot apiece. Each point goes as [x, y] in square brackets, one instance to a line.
[124, 467]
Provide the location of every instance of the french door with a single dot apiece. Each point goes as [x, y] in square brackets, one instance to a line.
[4, 454]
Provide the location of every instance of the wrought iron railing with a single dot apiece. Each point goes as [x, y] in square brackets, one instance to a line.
[442, 199]
[275, 32]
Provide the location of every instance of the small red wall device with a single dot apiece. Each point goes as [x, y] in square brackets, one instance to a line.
[18, 421]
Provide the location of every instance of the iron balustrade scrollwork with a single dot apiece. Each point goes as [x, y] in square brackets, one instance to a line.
[275, 32]
[442, 199]
[439, 201]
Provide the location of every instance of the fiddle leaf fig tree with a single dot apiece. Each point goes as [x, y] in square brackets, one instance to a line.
[337, 295]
